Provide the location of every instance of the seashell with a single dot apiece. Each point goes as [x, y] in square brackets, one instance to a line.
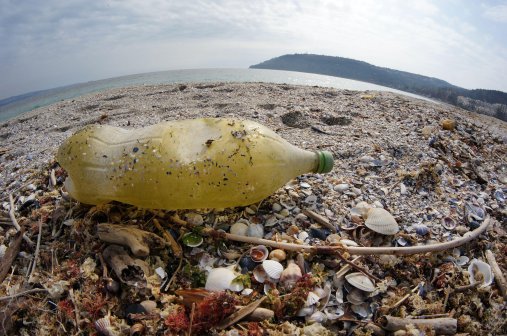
[319, 233]
[333, 314]
[356, 296]
[306, 311]
[192, 239]
[260, 314]
[381, 221]
[290, 275]
[317, 317]
[194, 218]
[462, 260]
[448, 223]
[255, 230]
[311, 299]
[103, 326]
[474, 213]
[259, 253]
[480, 272]
[348, 242]
[400, 241]
[137, 329]
[278, 255]
[276, 207]
[246, 263]
[362, 310]
[236, 286]
[259, 274]
[421, 229]
[500, 196]
[341, 187]
[448, 124]
[247, 291]
[272, 268]
[149, 305]
[219, 279]
[239, 229]
[361, 281]
[303, 236]
[230, 254]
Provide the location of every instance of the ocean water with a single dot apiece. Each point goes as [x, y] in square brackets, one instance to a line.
[15, 106]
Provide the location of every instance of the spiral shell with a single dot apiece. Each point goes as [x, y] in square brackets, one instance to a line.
[381, 221]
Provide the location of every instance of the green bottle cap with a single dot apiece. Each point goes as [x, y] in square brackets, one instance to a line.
[325, 162]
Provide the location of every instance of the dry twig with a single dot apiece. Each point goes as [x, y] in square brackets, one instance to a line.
[499, 277]
[30, 291]
[36, 254]
[15, 221]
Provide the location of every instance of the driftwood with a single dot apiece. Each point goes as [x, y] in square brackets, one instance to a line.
[130, 271]
[354, 250]
[441, 326]
[10, 255]
[499, 277]
[137, 240]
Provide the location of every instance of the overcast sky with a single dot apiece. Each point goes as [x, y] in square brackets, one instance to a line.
[45, 44]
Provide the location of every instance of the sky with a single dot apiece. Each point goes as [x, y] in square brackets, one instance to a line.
[51, 43]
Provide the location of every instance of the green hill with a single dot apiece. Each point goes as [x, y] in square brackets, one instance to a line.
[489, 102]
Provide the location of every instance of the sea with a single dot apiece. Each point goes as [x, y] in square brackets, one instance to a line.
[17, 105]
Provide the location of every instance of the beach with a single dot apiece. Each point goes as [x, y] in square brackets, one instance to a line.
[429, 165]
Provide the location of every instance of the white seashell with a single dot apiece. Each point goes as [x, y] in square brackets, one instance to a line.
[341, 187]
[462, 260]
[219, 279]
[306, 311]
[236, 286]
[348, 242]
[317, 317]
[239, 229]
[381, 221]
[333, 314]
[311, 299]
[303, 236]
[478, 266]
[103, 326]
[255, 230]
[247, 291]
[361, 281]
[290, 275]
[276, 207]
[272, 268]
[259, 274]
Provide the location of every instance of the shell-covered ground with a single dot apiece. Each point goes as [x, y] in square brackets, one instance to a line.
[441, 172]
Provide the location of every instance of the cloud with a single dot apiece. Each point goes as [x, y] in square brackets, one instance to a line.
[497, 13]
[63, 42]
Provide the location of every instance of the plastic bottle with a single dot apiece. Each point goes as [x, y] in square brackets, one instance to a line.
[187, 164]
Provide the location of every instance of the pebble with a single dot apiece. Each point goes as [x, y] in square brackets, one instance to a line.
[194, 218]
[276, 207]
[341, 187]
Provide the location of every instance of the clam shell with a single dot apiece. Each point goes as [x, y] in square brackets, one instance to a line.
[239, 229]
[290, 275]
[259, 274]
[278, 255]
[103, 326]
[478, 266]
[356, 296]
[272, 268]
[255, 230]
[192, 239]
[448, 223]
[311, 299]
[219, 279]
[361, 281]
[363, 310]
[381, 221]
[259, 253]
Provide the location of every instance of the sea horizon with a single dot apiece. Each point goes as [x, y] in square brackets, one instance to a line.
[13, 106]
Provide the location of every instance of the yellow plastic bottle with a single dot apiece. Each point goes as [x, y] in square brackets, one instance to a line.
[187, 164]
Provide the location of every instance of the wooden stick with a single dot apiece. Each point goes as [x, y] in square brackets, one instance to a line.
[354, 250]
[441, 326]
[499, 277]
[36, 254]
[404, 298]
[30, 291]
[192, 312]
[320, 219]
[15, 221]
[357, 267]
[178, 252]
[10, 255]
